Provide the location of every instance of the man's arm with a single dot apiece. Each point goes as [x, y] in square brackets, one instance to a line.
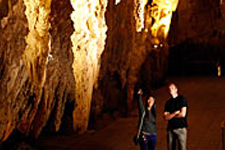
[168, 116]
[182, 113]
[177, 114]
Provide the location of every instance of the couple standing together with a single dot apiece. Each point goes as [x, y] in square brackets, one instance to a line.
[175, 112]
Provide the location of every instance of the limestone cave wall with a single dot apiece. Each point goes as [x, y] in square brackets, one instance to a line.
[25, 105]
[64, 63]
[130, 60]
[197, 37]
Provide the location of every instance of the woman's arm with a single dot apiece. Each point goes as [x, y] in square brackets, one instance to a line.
[140, 103]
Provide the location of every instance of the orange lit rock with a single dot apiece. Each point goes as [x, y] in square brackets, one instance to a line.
[88, 44]
[52, 53]
[37, 49]
[58, 93]
[25, 105]
[13, 73]
[73, 59]
[128, 48]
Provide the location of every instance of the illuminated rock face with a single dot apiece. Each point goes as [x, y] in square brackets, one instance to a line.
[88, 44]
[156, 17]
[58, 93]
[12, 69]
[38, 39]
[161, 13]
[139, 13]
[128, 54]
[25, 105]
[130, 45]
[53, 52]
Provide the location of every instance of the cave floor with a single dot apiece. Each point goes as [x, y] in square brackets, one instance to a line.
[206, 100]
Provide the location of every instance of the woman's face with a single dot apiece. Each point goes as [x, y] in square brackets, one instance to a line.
[150, 101]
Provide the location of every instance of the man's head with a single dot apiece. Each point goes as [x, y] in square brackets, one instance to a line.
[173, 89]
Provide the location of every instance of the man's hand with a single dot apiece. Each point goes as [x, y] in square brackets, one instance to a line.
[176, 112]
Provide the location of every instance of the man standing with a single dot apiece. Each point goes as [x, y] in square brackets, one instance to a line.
[175, 113]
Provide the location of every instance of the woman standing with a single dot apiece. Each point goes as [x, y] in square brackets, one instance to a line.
[147, 122]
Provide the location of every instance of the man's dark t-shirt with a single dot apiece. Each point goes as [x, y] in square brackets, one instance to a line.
[172, 105]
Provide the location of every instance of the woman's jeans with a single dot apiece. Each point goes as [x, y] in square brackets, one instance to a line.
[148, 142]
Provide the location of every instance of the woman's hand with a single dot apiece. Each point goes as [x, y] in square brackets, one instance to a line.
[140, 92]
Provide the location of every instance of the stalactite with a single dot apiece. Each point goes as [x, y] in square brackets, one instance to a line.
[139, 14]
[37, 49]
[88, 43]
[35, 55]
[161, 13]
[117, 2]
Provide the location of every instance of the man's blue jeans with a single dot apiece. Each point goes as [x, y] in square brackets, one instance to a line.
[148, 142]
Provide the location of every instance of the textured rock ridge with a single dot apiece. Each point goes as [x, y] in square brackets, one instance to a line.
[25, 105]
[12, 68]
[88, 44]
[38, 39]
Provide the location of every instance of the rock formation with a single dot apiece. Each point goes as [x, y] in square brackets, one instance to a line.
[65, 63]
[196, 36]
[132, 52]
[28, 102]
[88, 44]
